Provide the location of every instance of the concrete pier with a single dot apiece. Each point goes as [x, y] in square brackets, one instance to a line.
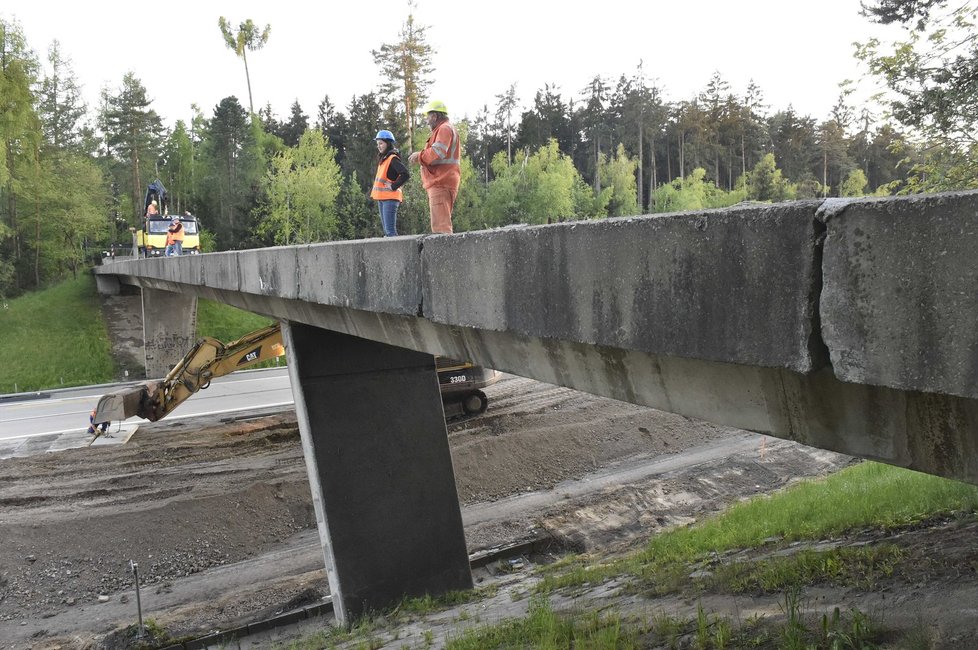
[169, 329]
[383, 486]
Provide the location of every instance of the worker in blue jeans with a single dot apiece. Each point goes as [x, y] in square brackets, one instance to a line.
[391, 175]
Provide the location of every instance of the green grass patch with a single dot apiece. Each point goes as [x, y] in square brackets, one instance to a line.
[868, 495]
[544, 628]
[860, 567]
[226, 323]
[54, 338]
[57, 337]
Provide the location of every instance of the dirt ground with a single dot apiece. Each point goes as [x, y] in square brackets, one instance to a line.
[218, 518]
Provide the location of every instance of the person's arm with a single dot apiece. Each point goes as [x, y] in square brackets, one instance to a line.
[399, 172]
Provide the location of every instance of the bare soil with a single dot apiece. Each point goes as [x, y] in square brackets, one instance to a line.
[217, 516]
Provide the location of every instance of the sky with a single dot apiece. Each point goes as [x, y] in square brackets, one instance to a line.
[796, 51]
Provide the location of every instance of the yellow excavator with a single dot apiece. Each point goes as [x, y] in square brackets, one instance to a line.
[460, 381]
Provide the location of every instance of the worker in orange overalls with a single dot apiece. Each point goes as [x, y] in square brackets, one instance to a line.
[440, 162]
[174, 234]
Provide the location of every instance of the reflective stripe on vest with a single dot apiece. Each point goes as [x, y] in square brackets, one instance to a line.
[449, 155]
[382, 185]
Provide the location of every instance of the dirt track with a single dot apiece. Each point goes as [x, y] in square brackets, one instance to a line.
[218, 517]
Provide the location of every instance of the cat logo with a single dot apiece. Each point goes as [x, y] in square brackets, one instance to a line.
[251, 356]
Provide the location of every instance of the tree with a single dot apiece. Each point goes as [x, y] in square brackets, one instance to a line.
[301, 188]
[693, 192]
[246, 38]
[60, 105]
[407, 66]
[19, 141]
[765, 182]
[232, 156]
[618, 175]
[506, 104]
[134, 133]
[933, 73]
[854, 184]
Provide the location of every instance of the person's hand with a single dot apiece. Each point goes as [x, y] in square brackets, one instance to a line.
[413, 158]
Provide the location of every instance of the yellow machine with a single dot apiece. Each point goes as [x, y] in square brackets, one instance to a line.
[151, 238]
[460, 381]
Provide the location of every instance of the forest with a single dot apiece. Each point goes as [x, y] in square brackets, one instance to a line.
[73, 177]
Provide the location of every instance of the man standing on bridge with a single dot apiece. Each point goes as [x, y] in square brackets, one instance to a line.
[440, 166]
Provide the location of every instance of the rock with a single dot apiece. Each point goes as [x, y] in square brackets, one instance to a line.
[102, 598]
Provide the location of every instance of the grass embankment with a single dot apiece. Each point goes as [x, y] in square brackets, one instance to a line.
[57, 337]
[865, 497]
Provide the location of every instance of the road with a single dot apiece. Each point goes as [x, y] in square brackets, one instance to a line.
[58, 419]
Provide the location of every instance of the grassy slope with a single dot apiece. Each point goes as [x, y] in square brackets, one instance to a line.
[56, 337]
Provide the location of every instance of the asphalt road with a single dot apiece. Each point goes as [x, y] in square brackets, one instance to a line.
[55, 419]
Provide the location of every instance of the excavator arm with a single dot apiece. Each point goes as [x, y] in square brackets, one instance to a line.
[207, 359]
[459, 381]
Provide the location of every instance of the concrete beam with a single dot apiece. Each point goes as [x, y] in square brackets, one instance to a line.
[376, 448]
[169, 329]
[899, 306]
[735, 286]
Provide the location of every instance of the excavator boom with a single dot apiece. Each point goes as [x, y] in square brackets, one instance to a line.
[459, 381]
[209, 358]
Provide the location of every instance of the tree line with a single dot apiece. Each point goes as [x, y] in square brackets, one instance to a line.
[72, 179]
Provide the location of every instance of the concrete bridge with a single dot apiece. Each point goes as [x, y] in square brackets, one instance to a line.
[849, 325]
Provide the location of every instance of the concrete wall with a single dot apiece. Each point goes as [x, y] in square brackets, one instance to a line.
[169, 329]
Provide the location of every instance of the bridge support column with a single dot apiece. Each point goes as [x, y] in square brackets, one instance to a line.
[169, 329]
[376, 448]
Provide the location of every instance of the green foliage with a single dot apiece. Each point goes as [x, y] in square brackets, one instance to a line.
[693, 192]
[54, 338]
[854, 184]
[301, 188]
[544, 628]
[618, 175]
[765, 182]
[407, 66]
[540, 188]
[932, 72]
[249, 38]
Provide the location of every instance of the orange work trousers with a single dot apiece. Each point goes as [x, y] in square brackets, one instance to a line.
[441, 200]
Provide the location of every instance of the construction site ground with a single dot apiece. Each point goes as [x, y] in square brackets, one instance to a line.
[217, 515]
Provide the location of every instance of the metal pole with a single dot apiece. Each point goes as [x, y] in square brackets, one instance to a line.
[139, 605]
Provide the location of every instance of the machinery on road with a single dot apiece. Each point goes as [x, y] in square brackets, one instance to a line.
[460, 381]
[151, 238]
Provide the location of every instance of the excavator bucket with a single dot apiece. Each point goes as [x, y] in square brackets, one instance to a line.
[126, 403]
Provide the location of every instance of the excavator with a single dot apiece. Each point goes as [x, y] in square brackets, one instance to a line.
[460, 381]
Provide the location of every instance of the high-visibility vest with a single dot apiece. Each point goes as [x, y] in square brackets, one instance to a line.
[440, 159]
[382, 190]
[177, 234]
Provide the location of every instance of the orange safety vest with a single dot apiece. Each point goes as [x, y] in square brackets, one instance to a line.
[177, 234]
[382, 185]
[440, 159]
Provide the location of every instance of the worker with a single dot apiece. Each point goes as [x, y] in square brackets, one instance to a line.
[175, 233]
[151, 209]
[440, 166]
[391, 175]
[96, 429]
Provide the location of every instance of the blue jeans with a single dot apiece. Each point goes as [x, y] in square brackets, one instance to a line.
[176, 248]
[388, 216]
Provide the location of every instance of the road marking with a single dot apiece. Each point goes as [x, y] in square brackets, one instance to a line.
[169, 418]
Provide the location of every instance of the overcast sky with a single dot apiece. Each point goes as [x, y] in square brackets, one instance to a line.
[796, 51]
